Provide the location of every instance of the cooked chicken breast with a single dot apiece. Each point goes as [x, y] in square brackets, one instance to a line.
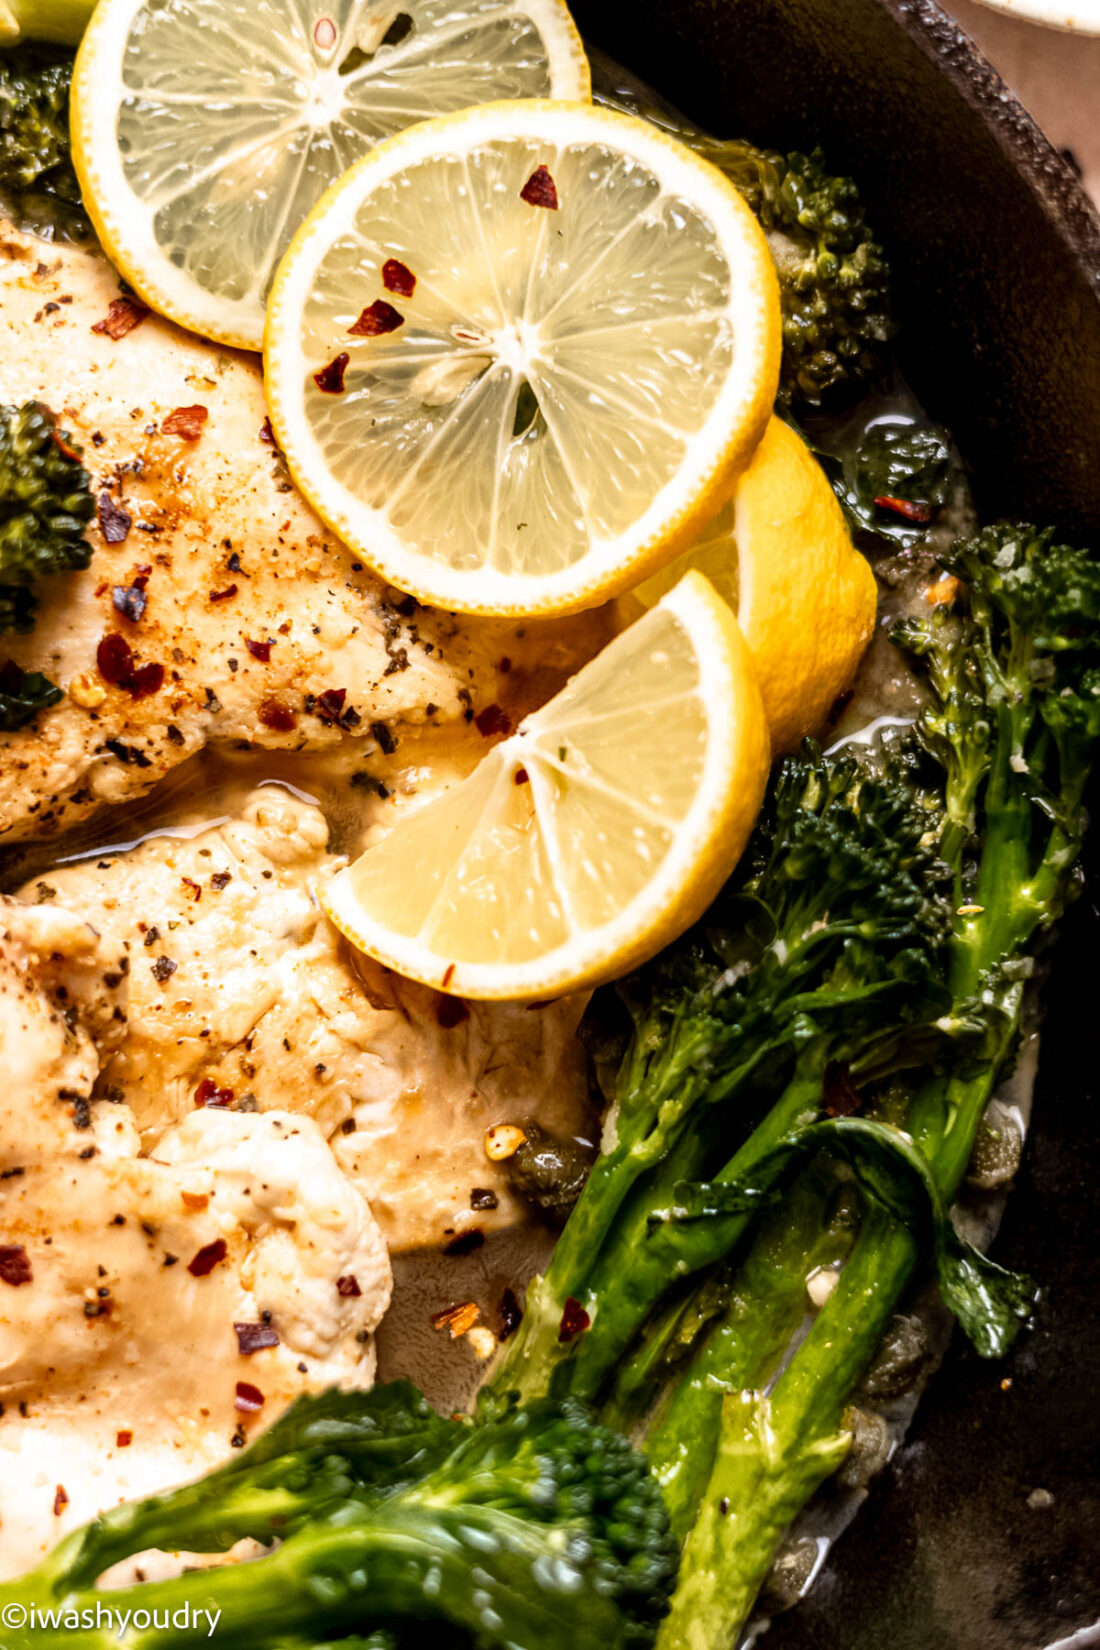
[222, 984]
[154, 1309]
[208, 566]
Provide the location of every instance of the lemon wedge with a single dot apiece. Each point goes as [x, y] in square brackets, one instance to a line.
[591, 836]
[205, 130]
[517, 356]
[780, 553]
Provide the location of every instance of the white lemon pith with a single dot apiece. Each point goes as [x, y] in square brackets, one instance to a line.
[590, 837]
[205, 130]
[780, 553]
[517, 356]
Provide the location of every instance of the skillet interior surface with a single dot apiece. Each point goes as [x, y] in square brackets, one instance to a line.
[996, 256]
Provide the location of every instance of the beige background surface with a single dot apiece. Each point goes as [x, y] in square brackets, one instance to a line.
[1055, 74]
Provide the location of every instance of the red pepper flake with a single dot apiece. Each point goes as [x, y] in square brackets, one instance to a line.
[906, 507]
[376, 319]
[267, 434]
[574, 1320]
[60, 1500]
[521, 777]
[330, 379]
[209, 1094]
[123, 315]
[209, 1255]
[458, 1319]
[398, 277]
[259, 650]
[223, 595]
[465, 1243]
[511, 1314]
[449, 975]
[145, 680]
[348, 1286]
[61, 440]
[114, 658]
[194, 1200]
[195, 887]
[249, 1398]
[492, 720]
[130, 600]
[277, 716]
[114, 521]
[840, 1093]
[450, 1012]
[540, 190]
[254, 1337]
[123, 1440]
[186, 422]
[330, 704]
[15, 1266]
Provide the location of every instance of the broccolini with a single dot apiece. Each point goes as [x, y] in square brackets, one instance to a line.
[38, 187]
[45, 505]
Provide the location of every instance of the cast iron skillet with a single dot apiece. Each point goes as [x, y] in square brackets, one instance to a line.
[996, 254]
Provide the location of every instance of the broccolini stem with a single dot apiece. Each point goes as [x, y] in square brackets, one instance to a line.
[774, 1451]
[644, 1259]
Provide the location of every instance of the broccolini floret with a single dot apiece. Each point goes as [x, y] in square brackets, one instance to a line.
[538, 1529]
[834, 278]
[45, 505]
[38, 187]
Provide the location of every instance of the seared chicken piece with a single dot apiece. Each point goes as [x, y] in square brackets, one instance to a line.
[216, 607]
[236, 991]
[153, 1309]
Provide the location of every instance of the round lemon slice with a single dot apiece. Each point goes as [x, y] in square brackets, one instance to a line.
[517, 356]
[205, 130]
[591, 836]
[780, 553]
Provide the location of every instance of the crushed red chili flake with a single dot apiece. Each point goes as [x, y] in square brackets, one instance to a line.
[195, 888]
[124, 1439]
[277, 716]
[378, 318]
[209, 1094]
[492, 720]
[61, 440]
[398, 277]
[249, 1398]
[123, 315]
[521, 777]
[267, 434]
[254, 1337]
[330, 704]
[330, 379]
[114, 521]
[450, 1012]
[194, 1200]
[574, 1320]
[348, 1285]
[511, 1314]
[458, 1319]
[465, 1243]
[145, 680]
[906, 507]
[114, 658]
[259, 650]
[202, 1264]
[130, 600]
[186, 422]
[60, 1500]
[15, 1266]
[540, 190]
[223, 595]
[449, 975]
[840, 1093]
